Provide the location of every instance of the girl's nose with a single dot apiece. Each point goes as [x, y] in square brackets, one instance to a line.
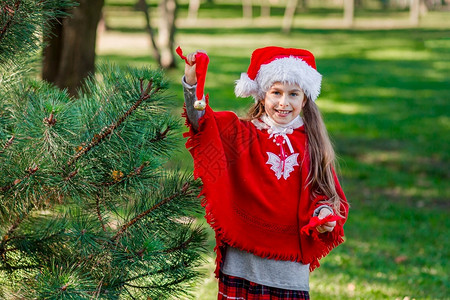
[283, 101]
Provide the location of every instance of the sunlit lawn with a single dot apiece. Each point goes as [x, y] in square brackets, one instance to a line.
[385, 99]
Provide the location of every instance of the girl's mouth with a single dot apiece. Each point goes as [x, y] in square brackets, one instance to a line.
[283, 112]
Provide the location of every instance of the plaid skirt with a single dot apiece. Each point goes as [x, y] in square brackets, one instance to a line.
[235, 288]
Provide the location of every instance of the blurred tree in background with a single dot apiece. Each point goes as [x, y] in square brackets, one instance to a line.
[163, 44]
[86, 208]
[69, 55]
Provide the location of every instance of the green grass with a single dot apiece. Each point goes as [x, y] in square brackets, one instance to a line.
[385, 100]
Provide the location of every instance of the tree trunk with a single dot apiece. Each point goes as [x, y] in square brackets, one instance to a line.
[142, 4]
[265, 9]
[194, 6]
[423, 8]
[349, 12]
[247, 9]
[304, 5]
[70, 56]
[266, 6]
[52, 51]
[166, 34]
[289, 13]
[414, 12]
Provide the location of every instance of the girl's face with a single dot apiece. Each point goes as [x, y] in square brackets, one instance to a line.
[284, 102]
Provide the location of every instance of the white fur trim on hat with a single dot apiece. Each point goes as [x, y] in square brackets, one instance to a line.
[245, 87]
[287, 69]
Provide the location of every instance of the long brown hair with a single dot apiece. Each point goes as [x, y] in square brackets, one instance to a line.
[321, 155]
[255, 111]
[321, 152]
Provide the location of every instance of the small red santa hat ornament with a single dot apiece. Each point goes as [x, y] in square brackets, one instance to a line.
[201, 61]
[276, 64]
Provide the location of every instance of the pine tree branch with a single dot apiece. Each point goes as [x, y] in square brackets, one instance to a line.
[184, 245]
[146, 274]
[98, 138]
[31, 171]
[11, 12]
[130, 294]
[99, 215]
[24, 267]
[10, 231]
[148, 211]
[51, 120]
[161, 135]
[4, 250]
[71, 174]
[5, 188]
[11, 249]
[7, 144]
[174, 282]
[137, 171]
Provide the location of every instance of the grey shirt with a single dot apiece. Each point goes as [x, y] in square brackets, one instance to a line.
[275, 273]
[287, 275]
[281, 274]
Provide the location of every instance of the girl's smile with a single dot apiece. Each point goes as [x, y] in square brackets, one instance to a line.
[284, 102]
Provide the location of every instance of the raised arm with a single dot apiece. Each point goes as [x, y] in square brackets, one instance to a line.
[189, 82]
[193, 115]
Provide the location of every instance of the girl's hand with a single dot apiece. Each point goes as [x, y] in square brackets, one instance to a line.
[327, 227]
[189, 69]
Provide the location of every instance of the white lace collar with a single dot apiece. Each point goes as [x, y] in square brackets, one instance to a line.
[273, 127]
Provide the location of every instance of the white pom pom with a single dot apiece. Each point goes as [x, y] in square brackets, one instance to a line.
[245, 87]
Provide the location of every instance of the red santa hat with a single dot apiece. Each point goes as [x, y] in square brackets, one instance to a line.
[276, 64]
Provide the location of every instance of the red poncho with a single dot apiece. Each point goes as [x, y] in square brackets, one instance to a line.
[246, 204]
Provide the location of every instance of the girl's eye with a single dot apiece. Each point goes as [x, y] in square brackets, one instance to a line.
[276, 92]
[294, 94]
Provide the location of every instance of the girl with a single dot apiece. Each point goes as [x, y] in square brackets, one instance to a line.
[269, 187]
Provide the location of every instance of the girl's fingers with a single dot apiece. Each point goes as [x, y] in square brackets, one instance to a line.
[191, 59]
[320, 229]
[330, 224]
[323, 213]
[327, 227]
[191, 56]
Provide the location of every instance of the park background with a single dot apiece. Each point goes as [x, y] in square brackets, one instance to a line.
[385, 93]
[385, 100]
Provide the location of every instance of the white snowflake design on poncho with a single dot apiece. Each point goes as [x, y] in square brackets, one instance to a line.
[282, 167]
[281, 164]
